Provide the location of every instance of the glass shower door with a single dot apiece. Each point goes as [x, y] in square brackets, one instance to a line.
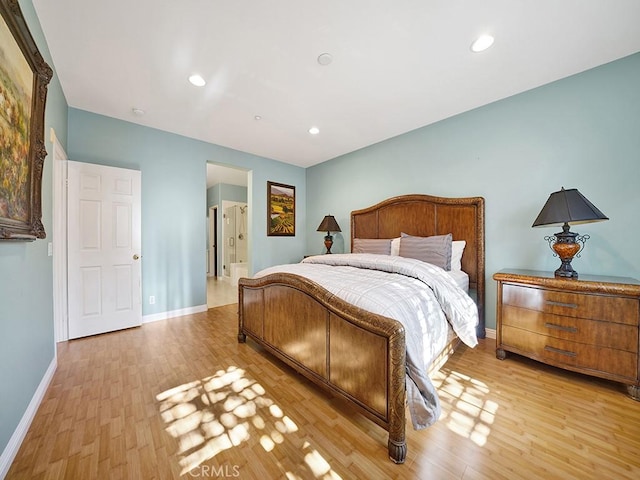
[229, 238]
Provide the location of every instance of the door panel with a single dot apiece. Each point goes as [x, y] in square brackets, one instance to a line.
[103, 249]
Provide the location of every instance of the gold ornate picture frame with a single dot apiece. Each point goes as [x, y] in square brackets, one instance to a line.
[24, 76]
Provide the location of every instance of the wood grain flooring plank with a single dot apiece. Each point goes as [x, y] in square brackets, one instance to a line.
[181, 397]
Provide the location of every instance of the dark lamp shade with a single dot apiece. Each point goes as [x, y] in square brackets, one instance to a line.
[329, 224]
[568, 206]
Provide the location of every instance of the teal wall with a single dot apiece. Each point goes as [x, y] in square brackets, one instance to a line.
[26, 283]
[174, 196]
[224, 191]
[580, 132]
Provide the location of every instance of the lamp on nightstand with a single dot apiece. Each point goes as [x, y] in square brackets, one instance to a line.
[567, 207]
[328, 225]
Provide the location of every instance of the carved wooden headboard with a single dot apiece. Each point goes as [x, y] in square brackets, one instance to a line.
[424, 216]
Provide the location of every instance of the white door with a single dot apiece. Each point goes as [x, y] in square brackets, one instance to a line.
[104, 243]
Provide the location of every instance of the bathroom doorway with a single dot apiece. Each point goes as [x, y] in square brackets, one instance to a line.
[229, 224]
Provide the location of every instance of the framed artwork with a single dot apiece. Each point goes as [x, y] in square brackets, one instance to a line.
[24, 76]
[281, 210]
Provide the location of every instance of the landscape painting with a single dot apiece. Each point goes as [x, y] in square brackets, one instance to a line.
[281, 206]
[16, 84]
[24, 76]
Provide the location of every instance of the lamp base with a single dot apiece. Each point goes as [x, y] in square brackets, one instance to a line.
[328, 243]
[566, 245]
[566, 248]
[566, 271]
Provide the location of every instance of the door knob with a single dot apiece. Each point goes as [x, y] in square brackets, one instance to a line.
[136, 257]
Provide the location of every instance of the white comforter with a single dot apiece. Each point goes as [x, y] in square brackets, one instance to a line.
[419, 295]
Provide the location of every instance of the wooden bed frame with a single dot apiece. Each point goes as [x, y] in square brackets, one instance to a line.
[355, 354]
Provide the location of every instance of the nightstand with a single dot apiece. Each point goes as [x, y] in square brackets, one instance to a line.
[587, 325]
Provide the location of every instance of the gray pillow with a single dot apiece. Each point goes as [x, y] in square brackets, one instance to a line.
[380, 246]
[435, 250]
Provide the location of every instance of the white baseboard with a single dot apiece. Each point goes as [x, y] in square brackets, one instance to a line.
[490, 332]
[174, 313]
[11, 450]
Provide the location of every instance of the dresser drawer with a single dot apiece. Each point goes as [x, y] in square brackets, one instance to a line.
[564, 353]
[603, 334]
[588, 324]
[581, 305]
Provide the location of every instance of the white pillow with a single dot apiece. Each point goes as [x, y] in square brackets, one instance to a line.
[395, 246]
[457, 249]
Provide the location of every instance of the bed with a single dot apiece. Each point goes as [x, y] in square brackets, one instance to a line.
[319, 334]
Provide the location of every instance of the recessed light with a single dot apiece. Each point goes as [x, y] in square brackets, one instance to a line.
[197, 80]
[314, 130]
[325, 59]
[482, 43]
[138, 111]
[257, 117]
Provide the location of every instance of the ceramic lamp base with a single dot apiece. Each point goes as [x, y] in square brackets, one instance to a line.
[328, 243]
[566, 245]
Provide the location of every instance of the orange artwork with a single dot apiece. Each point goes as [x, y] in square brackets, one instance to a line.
[281, 205]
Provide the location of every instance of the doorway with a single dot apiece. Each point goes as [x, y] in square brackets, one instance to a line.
[229, 231]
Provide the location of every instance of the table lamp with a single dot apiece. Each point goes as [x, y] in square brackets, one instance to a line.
[328, 225]
[567, 207]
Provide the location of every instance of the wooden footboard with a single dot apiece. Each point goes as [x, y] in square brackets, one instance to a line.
[355, 354]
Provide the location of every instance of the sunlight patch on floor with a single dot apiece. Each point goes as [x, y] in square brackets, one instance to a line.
[465, 408]
[219, 412]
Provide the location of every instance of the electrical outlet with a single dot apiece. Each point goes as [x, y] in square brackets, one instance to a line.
[152, 300]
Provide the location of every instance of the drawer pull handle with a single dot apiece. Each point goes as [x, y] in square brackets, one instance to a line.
[561, 327]
[561, 304]
[561, 352]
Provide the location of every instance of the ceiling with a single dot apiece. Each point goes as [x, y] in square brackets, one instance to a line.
[397, 66]
[231, 176]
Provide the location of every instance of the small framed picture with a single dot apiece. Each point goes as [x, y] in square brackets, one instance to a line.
[281, 210]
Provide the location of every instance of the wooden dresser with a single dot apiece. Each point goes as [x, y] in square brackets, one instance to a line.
[588, 325]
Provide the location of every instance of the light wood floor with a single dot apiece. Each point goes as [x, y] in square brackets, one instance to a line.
[221, 291]
[181, 398]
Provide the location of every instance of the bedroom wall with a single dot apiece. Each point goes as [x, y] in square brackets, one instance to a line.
[174, 194]
[580, 132]
[26, 283]
[224, 191]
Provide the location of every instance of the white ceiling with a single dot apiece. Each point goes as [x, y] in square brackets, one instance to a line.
[397, 65]
[231, 176]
